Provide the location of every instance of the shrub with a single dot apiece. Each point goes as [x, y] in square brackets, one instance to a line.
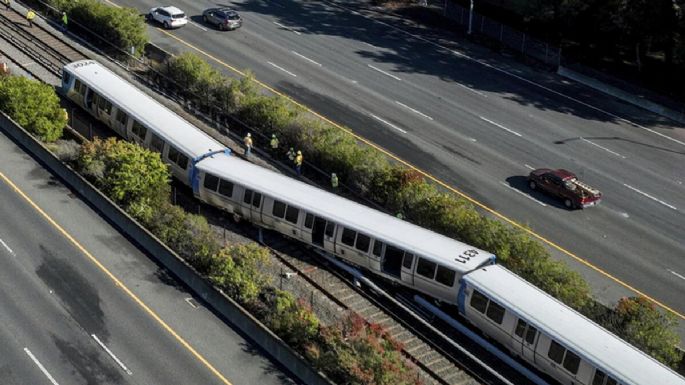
[33, 105]
[193, 74]
[65, 150]
[126, 172]
[121, 26]
[292, 320]
[236, 270]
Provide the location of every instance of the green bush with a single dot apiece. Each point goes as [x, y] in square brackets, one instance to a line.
[123, 27]
[126, 172]
[33, 105]
[236, 270]
[292, 320]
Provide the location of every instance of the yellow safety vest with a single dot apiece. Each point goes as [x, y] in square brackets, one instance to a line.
[298, 160]
[30, 15]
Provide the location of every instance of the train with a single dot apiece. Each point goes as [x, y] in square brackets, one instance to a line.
[531, 324]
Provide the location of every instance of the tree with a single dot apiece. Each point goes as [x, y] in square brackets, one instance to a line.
[235, 269]
[126, 172]
[33, 105]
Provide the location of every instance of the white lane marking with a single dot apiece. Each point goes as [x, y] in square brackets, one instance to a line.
[676, 274]
[115, 358]
[389, 124]
[651, 197]
[282, 69]
[199, 26]
[413, 110]
[306, 58]
[500, 126]
[385, 73]
[515, 76]
[525, 195]
[602, 147]
[370, 45]
[40, 366]
[529, 167]
[191, 302]
[472, 90]
[288, 28]
[6, 247]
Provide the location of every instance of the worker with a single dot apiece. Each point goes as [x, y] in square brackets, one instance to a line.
[65, 21]
[65, 114]
[248, 144]
[274, 143]
[7, 4]
[298, 162]
[334, 181]
[291, 154]
[30, 15]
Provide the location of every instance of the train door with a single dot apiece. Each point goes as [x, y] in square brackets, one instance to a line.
[524, 340]
[407, 269]
[391, 263]
[121, 122]
[252, 202]
[329, 237]
[318, 231]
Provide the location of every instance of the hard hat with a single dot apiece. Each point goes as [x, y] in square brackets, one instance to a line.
[333, 174]
[248, 135]
[299, 152]
[273, 135]
[291, 149]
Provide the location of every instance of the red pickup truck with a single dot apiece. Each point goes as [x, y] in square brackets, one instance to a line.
[565, 185]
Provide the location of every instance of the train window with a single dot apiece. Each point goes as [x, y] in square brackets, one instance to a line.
[248, 198]
[530, 334]
[156, 143]
[122, 118]
[479, 301]
[408, 260]
[309, 221]
[363, 242]
[426, 268]
[279, 209]
[175, 156]
[291, 214]
[556, 352]
[445, 276]
[226, 188]
[66, 77]
[377, 247]
[104, 105]
[256, 199]
[495, 312]
[571, 362]
[611, 381]
[330, 227]
[79, 87]
[138, 129]
[520, 328]
[599, 377]
[348, 237]
[211, 182]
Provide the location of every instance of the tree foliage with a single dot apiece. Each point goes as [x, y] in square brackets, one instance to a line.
[236, 270]
[126, 172]
[33, 105]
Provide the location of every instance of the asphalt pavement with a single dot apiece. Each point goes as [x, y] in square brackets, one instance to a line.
[66, 321]
[478, 121]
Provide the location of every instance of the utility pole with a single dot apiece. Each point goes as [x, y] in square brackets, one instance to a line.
[470, 18]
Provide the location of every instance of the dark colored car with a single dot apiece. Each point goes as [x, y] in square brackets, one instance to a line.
[223, 18]
[565, 185]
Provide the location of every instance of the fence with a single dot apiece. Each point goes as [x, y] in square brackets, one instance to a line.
[505, 35]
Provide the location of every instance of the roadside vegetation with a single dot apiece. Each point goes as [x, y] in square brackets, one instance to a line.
[34, 105]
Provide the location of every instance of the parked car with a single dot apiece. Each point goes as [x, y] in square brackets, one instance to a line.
[169, 17]
[565, 185]
[223, 18]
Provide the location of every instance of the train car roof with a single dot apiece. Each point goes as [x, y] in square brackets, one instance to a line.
[172, 128]
[625, 363]
[372, 222]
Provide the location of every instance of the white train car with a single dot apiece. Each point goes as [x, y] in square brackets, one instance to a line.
[392, 248]
[553, 337]
[136, 116]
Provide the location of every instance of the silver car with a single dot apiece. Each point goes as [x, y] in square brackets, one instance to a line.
[223, 18]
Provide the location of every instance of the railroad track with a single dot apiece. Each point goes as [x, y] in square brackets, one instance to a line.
[46, 48]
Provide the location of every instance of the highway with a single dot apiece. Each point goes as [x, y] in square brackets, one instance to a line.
[479, 122]
[66, 321]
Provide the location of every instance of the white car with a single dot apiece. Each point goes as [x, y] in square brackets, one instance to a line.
[169, 17]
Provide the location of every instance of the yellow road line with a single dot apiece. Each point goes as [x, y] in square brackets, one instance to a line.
[429, 176]
[116, 281]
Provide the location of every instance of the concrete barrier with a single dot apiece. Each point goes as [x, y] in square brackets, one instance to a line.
[678, 116]
[221, 303]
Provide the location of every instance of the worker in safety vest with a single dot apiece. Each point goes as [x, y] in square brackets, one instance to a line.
[298, 162]
[66, 115]
[274, 143]
[291, 154]
[65, 21]
[248, 144]
[334, 181]
[7, 4]
[30, 15]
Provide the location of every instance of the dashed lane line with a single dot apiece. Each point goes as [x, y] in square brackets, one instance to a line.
[602, 147]
[306, 58]
[388, 123]
[651, 197]
[500, 126]
[282, 69]
[433, 178]
[115, 358]
[286, 27]
[521, 193]
[198, 26]
[6, 247]
[413, 110]
[384, 73]
[40, 366]
[116, 281]
[677, 275]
